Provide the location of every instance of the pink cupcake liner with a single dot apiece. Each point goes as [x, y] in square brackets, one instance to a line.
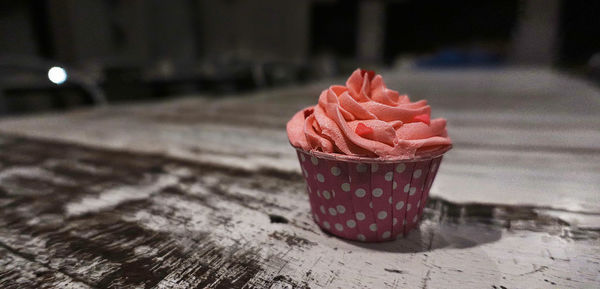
[366, 200]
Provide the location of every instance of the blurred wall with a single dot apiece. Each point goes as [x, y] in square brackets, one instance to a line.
[16, 31]
[265, 29]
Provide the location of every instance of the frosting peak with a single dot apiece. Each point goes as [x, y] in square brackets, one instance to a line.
[365, 118]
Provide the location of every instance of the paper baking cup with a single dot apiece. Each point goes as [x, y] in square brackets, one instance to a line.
[368, 200]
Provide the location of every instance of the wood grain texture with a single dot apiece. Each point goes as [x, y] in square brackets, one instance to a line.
[199, 193]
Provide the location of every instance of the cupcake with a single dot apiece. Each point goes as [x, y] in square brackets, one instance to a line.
[369, 156]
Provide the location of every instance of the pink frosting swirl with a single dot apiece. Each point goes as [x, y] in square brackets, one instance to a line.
[365, 118]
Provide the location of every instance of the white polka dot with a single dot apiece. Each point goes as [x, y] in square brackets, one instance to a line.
[386, 234]
[319, 193]
[302, 157]
[351, 223]
[339, 227]
[326, 195]
[360, 216]
[371, 205]
[332, 211]
[314, 160]
[390, 200]
[322, 209]
[335, 171]
[395, 185]
[433, 167]
[305, 173]
[346, 187]
[341, 209]
[400, 168]
[377, 192]
[374, 168]
[361, 237]
[320, 178]
[413, 190]
[408, 207]
[382, 215]
[373, 227]
[415, 219]
[361, 168]
[399, 205]
[395, 221]
[360, 193]
[419, 204]
[316, 217]
[417, 174]
[389, 176]
[309, 189]
[326, 225]
[406, 188]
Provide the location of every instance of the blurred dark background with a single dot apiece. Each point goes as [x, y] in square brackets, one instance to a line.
[106, 51]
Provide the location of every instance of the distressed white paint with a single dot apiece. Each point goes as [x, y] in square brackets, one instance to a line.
[118, 195]
[519, 141]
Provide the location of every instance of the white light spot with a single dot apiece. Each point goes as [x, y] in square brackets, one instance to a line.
[316, 217]
[302, 157]
[415, 219]
[386, 234]
[326, 195]
[341, 209]
[408, 207]
[361, 237]
[339, 227]
[390, 200]
[57, 75]
[407, 188]
[322, 209]
[395, 221]
[395, 185]
[326, 225]
[382, 215]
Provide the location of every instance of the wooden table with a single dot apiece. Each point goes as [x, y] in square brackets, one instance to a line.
[206, 193]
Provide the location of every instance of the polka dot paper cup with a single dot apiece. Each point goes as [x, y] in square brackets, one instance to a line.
[368, 200]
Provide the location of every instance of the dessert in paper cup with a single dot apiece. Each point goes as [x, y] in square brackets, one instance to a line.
[369, 156]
